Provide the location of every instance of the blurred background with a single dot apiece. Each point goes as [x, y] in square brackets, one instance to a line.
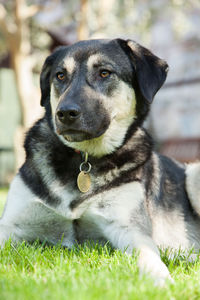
[30, 30]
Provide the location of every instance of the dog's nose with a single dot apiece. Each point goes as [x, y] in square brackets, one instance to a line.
[69, 114]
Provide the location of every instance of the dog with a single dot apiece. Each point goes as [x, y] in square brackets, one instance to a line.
[91, 172]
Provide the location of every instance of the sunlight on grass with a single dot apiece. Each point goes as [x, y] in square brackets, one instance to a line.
[87, 272]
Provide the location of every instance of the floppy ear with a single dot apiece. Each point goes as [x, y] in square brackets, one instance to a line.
[150, 70]
[45, 76]
[45, 80]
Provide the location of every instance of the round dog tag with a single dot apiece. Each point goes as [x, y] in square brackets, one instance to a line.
[83, 182]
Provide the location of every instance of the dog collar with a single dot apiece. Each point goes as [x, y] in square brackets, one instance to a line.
[84, 179]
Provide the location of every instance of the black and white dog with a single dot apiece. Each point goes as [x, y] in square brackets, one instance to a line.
[90, 170]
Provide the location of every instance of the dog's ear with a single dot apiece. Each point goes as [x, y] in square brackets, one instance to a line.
[150, 70]
[45, 76]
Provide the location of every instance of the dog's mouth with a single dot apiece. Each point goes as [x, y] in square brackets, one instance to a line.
[73, 135]
[76, 135]
[81, 130]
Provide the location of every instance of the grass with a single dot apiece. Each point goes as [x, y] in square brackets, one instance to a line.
[87, 273]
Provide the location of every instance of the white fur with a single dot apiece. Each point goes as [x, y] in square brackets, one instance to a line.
[94, 59]
[116, 213]
[134, 46]
[26, 217]
[19, 196]
[112, 223]
[193, 185]
[149, 262]
[169, 230]
[156, 175]
[54, 102]
[69, 64]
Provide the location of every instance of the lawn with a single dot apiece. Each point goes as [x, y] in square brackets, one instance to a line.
[87, 273]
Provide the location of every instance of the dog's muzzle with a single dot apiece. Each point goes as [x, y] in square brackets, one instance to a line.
[68, 122]
[77, 124]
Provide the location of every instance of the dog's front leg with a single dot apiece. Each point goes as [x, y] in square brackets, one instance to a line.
[149, 260]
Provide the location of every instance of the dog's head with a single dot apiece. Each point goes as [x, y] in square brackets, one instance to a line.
[95, 90]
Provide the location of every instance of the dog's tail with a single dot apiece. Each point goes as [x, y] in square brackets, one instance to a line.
[193, 185]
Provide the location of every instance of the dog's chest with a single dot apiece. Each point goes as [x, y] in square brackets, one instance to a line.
[110, 210]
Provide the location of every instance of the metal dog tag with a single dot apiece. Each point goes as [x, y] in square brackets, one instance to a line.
[84, 181]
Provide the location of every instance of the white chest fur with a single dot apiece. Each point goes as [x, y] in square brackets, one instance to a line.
[111, 211]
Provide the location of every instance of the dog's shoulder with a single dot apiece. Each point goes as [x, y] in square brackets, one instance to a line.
[165, 184]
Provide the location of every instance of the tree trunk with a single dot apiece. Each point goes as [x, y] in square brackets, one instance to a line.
[83, 31]
[27, 91]
[17, 35]
[28, 100]
[28, 94]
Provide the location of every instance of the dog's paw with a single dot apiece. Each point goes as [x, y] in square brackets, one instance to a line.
[161, 282]
[150, 263]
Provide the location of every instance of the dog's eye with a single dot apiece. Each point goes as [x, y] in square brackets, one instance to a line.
[105, 73]
[60, 76]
